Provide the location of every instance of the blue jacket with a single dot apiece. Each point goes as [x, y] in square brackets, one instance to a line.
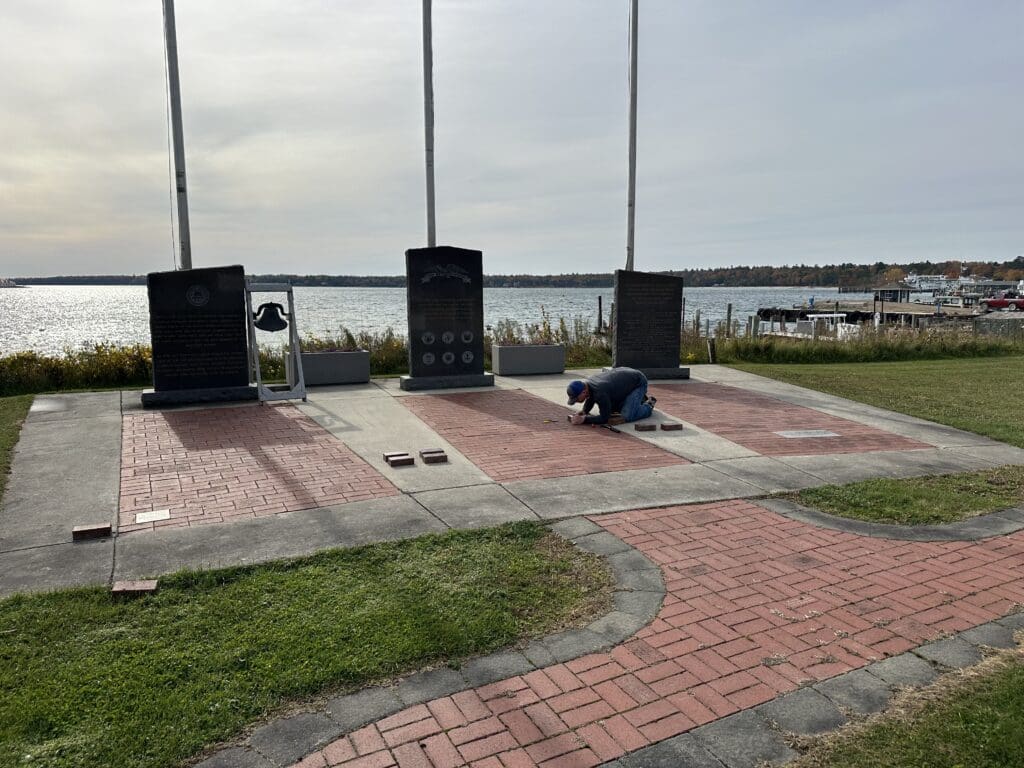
[608, 390]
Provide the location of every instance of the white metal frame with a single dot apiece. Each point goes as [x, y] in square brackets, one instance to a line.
[277, 393]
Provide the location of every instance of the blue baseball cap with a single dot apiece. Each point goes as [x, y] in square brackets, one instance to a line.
[574, 390]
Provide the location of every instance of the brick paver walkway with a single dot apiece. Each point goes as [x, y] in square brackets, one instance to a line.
[755, 604]
[513, 435]
[752, 420]
[222, 464]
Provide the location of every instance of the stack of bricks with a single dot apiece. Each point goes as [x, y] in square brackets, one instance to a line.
[399, 459]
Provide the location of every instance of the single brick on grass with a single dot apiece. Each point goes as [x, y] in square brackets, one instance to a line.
[91, 531]
[137, 588]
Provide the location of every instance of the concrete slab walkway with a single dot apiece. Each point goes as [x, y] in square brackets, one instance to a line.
[285, 480]
[772, 616]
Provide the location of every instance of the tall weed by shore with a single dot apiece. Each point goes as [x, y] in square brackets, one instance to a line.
[885, 345]
[102, 366]
[96, 367]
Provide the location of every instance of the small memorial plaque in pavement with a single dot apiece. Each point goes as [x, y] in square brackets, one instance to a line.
[646, 324]
[445, 297]
[199, 336]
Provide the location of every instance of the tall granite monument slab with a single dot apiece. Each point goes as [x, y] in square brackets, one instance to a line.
[199, 335]
[646, 324]
[445, 296]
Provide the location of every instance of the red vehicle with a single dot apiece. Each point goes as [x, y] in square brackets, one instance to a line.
[1006, 300]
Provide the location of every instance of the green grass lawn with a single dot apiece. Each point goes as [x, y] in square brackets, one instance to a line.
[920, 500]
[12, 413]
[86, 681]
[983, 395]
[973, 722]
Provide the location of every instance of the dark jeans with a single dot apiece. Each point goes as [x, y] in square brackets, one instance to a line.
[634, 407]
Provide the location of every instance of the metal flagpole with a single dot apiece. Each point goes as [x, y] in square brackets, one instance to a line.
[174, 87]
[428, 120]
[631, 194]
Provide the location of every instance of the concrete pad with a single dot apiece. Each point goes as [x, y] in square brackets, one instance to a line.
[678, 752]
[42, 436]
[372, 426]
[236, 757]
[857, 691]
[767, 473]
[475, 506]
[62, 474]
[842, 468]
[804, 711]
[41, 569]
[744, 740]
[149, 554]
[289, 739]
[991, 635]
[73, 406]
[954, 652]
[996, 454]
[393, 387]
[346, 391]
[905, 670]
[617, 491]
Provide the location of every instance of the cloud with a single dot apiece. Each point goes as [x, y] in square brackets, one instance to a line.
[768, 133]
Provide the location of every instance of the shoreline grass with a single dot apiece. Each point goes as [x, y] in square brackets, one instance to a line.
[930, 500]
[89, 682]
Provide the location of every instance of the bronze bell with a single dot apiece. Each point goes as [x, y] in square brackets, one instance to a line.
[268, 317]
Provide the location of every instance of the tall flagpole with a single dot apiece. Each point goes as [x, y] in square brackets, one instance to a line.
[170, 40]
[428, 120]
[631, 194]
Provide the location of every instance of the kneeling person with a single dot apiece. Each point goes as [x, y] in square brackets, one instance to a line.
[618, 390]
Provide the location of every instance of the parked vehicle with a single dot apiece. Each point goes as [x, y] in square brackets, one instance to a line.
[1006, 300]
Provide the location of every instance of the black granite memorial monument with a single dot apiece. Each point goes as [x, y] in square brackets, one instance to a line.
[445, 294]
[199, 336]
[646, 324]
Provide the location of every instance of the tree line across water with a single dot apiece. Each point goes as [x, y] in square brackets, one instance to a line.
[830, 275]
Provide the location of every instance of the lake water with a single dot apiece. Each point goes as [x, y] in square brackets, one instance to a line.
[50, 318]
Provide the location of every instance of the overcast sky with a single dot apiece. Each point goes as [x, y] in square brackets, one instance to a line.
[769, 133]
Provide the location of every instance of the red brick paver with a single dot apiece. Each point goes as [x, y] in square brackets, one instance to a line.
[751, 420]
[756, 604]
[222, 464]
[513, 435]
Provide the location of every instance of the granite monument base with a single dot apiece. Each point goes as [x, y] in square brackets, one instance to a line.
[679, 372]
[420, 383]
[153, 399]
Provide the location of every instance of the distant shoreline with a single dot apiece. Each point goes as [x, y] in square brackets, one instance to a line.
[849, 276]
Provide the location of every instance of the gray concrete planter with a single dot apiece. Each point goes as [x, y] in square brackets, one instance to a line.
[331, 367]
[526, 359]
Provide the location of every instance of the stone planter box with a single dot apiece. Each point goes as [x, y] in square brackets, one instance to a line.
[331, 367]
[526, 359]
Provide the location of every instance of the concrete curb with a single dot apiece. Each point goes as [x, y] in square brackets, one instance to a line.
[755, 737]
[638, 594]
[997, 523]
